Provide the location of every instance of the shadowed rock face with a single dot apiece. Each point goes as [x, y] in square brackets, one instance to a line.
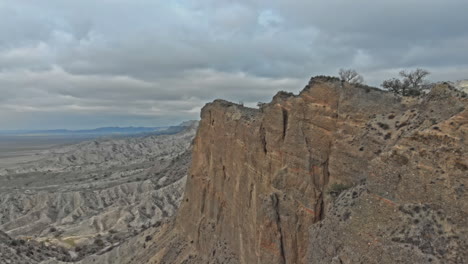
[336, 174]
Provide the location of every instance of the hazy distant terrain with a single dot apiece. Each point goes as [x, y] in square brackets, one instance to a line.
[91, 196]
[26, 143]
[95, 131]
[20, 145]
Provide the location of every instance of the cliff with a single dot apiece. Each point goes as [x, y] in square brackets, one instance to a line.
[336, 174]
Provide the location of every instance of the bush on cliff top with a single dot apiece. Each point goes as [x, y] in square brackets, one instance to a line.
[336, 188]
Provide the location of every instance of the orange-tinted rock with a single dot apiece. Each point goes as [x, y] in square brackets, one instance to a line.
[262, 180]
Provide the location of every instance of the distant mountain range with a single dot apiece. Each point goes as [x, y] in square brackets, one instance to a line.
[96, 131]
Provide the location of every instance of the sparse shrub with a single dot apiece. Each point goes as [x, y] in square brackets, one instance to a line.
[383, 126]
[388, 136]
[157, 224]
[336, 188]
[351, 76]
[411, 84]
[98, 242]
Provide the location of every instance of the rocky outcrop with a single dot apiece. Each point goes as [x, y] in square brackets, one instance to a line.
[336, 174]
[462, 85]
[18, 251]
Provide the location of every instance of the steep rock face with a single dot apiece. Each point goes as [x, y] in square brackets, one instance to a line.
[264, 182]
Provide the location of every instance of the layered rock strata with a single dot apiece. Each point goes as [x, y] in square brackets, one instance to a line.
[336, 174]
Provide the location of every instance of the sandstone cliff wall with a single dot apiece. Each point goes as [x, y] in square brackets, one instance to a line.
[336, 174]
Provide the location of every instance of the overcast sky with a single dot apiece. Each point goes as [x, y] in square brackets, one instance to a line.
[93, 63]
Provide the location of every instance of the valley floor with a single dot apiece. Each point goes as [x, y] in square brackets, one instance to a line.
[88, 198]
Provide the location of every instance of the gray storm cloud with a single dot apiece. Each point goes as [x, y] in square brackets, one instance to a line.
[88, 63]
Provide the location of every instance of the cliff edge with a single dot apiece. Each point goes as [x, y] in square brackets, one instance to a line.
[336, 174]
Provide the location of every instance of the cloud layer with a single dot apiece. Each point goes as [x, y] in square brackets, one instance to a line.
[88, 63]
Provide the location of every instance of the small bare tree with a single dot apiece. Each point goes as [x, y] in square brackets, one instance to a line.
[412, 84]
[351, 76]
[415, 78]
[396, 86]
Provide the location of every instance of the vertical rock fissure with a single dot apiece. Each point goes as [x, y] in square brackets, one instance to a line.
[319, 207]
[326, 173]
[325, 166]
[275, 202]
[325, 177]
[285, 122]
[308, 147]
[211, 119]
[310, 161]
[250, 195]
[263, 139]
[202, 207]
